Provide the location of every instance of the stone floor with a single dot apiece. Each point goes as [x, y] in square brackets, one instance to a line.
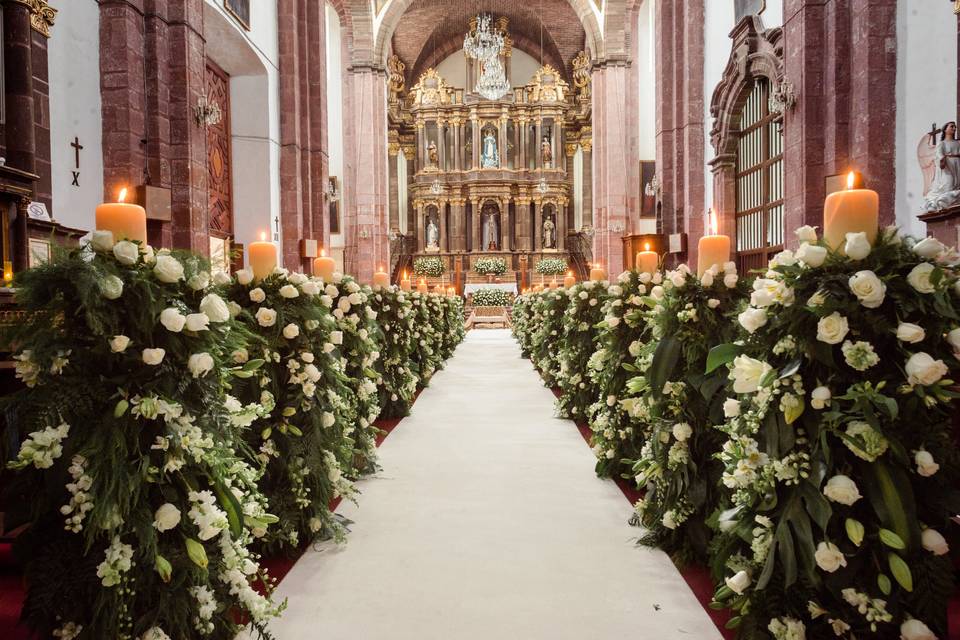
[487, 522]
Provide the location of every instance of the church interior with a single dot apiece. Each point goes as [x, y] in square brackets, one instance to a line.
[244, 241]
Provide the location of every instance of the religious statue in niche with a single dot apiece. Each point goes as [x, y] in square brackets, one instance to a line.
[940, 162]
[490, 157]
[432, 157]
[491, 236]
[433, 235]
[549, 233]
[546, 152]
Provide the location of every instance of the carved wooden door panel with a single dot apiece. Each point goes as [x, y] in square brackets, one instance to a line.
[219, 185]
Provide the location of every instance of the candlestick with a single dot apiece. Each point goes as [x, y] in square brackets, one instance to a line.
[569, 281]
[647, 261]
[323, 267]
[125, 220]
[713, 249]
[850, 211]
[380, 279]
[263, 257]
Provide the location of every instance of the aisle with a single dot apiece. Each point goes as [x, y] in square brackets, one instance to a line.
[488, 522]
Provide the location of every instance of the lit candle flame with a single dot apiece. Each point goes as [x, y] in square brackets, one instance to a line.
[712, 225]
[851, 179]
[380, 269]
[404, 274]
[646, 246]
[263, 236]
[323, 253]
[123, 195]
[570, 274]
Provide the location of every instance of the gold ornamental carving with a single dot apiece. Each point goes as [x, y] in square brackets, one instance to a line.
[587, 144]
[547, 86]
[571, 149]
[431, 89]
[393, 148]
[581, 75]
[396, 81]
[42, 15]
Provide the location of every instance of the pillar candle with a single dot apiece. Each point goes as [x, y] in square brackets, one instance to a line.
[126, 221]
[381, 280]
[263, 257]
[850, 211]
[647, 261]
[569, 281]
[597, 273]
[422, 287]
[712, 249]
[405, 282]
[323, 267]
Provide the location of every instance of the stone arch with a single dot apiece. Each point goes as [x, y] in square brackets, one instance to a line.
[393, 13]
[756, 53]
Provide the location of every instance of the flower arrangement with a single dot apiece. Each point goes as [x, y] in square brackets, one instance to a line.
[142, 513]
[490, 266]
[397, 380]
[547, 324]
[428, 329]
[302, 438]
[551, 267]
[454, 329]
[522, 321]
[840, 463]
[490, 297]
[429, 266]
[579, 349]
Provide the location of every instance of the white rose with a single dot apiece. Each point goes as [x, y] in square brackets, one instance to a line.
[257, 295]
[832, 329]
[240, 356]
[657, 292]
[326, 301]
[327, 419]
[806, 233]
[266, 317]
[244, 276]
[829, 557]
[842, 489]
[111, 287]
[811, 254]
[168, 269]
[153, 357]
[909, 332]
[331, 290]
[934, 542]
[752, 319]
[678, 279]
[785, 258]
[919, 278]
[922, 369]
[215, 308]
[149, 257]
[682, 431]
[154, 633]
[916, 630]
[289, 291]
[119, 344]
[612, 321]
[197, 322]
[234, 308]
[101, 240]
[954, 339]
[739, 582]
[199, 282]
[221, 278]
[126, 252]
[355, 298]
[172, 319]
[328, 347]
[706, 279]
[291, 331]
[713, 303]
[336, 337]
[820, 397]
[929, 248]
[926, 465]
[748, 373]
[310, 288]
[730, 280]
[857, 246]
[731, 408]
[200, 364]
[868, 288]
[166, 517]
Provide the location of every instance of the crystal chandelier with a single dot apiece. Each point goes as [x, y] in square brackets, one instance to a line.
[483, 43]
[493, 84]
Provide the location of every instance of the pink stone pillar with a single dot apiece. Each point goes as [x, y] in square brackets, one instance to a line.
[365, 154]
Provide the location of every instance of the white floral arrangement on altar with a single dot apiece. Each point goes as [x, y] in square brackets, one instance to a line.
[551, 266]
[840, 462]
[490, 266]
[490, 297]
[429, 266]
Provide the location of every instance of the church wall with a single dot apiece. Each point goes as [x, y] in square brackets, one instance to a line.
[926, 94]
[720, 20]
[646, 67]
[74, 65]
[335, 117]
[453, 69]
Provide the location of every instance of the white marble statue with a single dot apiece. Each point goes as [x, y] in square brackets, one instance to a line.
[433, 235]
[490, 237]
[489, 159]
[945, 190]
[549, 239]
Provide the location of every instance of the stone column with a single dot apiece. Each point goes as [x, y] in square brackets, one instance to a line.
[475, 160]
[587, 145]
[538, 157]
[393, 151]
[475, 226]
[410, 153]
[18, 86]
[562, 226]
[421, 146]
[502, 144]
[505, 222]
[441, 145]
[538, 226]
[456, 145]
[522, 143]
[444, 229]
[421, 235]
[457, 215]
[523, 223]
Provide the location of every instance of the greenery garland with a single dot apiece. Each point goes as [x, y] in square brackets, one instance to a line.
[579, 349]
[551, 266]
[490, 266]
[841, 463]
[490, 297]
[523, 318]
[429, 266]
[547, 323]
[141, 512]
[397, 379]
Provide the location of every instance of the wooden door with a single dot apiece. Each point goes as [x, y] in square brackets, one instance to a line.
[219, 185]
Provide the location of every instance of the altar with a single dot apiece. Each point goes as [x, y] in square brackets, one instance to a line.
[509, 287]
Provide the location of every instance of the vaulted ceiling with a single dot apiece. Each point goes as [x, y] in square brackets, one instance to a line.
[430, 30]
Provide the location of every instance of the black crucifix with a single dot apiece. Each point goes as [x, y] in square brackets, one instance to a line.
[933, 134]
[77, 148]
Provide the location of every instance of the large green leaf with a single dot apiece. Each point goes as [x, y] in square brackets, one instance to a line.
[891, 495]
[665, 360]
[721, 355]
[230, 505]
[901, 571]
[788, 556]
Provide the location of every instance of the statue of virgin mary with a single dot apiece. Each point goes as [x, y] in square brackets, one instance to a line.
[489, 159]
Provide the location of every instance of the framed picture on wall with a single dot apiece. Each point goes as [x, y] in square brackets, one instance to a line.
[239, 9]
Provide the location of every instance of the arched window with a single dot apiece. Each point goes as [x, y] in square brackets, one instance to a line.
[759, 176]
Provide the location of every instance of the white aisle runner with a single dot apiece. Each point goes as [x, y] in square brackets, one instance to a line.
[487, 522]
